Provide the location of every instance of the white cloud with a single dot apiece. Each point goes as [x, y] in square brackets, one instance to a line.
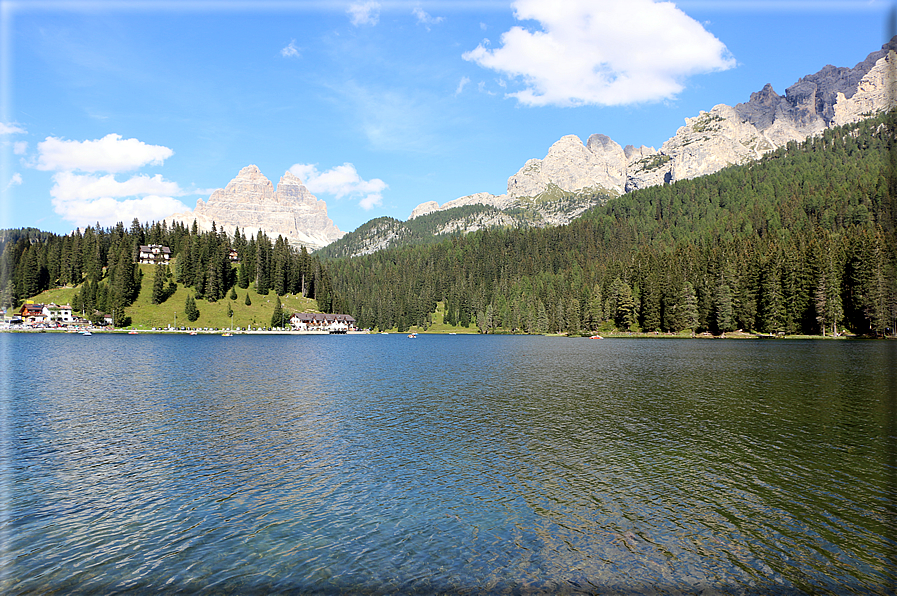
[425, 19]
[342, 181]
[613, 52]
[364, 13]
[74, 187]
[20, 147]
[14, 181]
[87, 199]
[461, 84]
[109, 211]
[109, 154]
[291, 51]
[11, 129]
[481, 87]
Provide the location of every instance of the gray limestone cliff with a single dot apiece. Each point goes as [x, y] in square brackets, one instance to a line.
[251, 203]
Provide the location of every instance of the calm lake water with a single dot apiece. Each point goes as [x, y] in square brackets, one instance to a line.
[446, 464]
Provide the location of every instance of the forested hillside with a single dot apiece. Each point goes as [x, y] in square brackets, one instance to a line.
[102, 263]
[801, 241]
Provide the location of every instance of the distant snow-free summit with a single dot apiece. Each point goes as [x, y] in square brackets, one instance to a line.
[251, 203]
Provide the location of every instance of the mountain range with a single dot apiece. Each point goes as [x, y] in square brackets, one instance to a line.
[573, 176]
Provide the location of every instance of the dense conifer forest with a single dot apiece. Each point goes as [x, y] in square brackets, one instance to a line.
[102, 262]
[800, 242]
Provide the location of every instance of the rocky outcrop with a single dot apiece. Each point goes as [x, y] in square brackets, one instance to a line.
[480, 198]
[572, 166]
[251, 203]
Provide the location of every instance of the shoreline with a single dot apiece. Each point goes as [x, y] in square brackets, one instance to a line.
[617, 335]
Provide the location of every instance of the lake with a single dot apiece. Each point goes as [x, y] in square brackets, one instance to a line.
[446, 464]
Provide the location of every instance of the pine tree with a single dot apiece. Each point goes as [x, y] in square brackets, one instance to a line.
[689, 315]
[773, 314]
[596, 308]
[722, 308]
[247, 302]
[278, 314]
[572, 313]
[159, 294]
[233, 293]
[242, 276]
[190, 309]
[541, 318]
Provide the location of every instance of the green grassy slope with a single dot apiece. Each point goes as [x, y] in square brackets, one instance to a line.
[145, 315]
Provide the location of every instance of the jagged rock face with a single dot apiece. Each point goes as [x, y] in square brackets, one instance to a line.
[877, 88]
[251, 203]
[571, 166]
[611, 161]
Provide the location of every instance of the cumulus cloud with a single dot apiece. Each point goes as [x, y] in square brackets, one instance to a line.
[11, 129]
[583, 55]
[364, 13]
[291, 51]
[342, 181]
[84, 199]
[425, 19]
[109, 154]
[74, 187]
[20, 147]
[14, 181]
[108, 211]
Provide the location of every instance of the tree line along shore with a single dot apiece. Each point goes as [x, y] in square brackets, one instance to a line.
[801, 242]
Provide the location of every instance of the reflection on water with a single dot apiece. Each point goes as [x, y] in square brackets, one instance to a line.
[448, 464]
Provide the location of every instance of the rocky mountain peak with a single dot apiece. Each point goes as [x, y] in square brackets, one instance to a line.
[250, 202]
[290, 179]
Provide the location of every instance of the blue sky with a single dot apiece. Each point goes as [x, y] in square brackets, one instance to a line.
[111, 109]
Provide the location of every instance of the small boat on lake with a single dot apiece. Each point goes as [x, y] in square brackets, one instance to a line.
[596, 337]
[86, 333]
[227, 334]
[132, 333]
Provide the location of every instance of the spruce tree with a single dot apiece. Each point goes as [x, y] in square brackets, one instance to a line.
[689, 302]
[190, 309]
[596, 307]
[247, 302]
[722, 308]
[277, 316]
[159, 294]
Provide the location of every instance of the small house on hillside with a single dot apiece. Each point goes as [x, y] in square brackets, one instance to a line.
[59, 314]
[32, 314]
[154, 254]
